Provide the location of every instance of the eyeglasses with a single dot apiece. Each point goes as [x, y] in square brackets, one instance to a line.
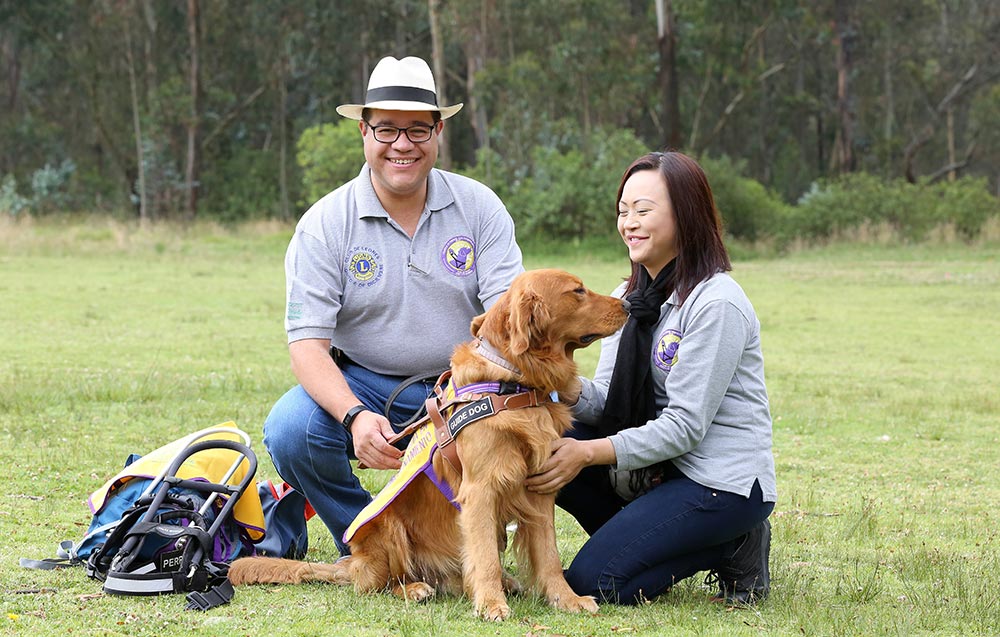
[417, 134]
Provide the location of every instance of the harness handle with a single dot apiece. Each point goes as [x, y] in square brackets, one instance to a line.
[400, 388]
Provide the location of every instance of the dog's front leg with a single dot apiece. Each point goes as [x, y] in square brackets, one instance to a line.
[536, 540]
[481, 557]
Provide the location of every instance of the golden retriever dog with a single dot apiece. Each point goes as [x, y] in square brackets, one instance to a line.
[421, 544]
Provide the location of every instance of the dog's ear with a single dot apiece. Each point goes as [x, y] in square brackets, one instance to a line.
[528, 322]
[491, 324]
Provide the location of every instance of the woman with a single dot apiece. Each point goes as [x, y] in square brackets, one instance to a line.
[669, 466]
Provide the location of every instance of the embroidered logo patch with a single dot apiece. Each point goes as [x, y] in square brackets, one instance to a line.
[459, 256]
[470, 413]
[294, 311]
[363, 266]
[665, 355]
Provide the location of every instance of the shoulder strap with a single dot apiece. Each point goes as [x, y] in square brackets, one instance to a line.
[216, 591]
[65, 558]
[444, 437]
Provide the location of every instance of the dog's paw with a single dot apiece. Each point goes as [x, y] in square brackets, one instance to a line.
[576, 604]
[416, 591]
[510, 584]
[494, 610]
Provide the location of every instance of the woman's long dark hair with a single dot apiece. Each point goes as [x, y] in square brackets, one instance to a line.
[700, 251]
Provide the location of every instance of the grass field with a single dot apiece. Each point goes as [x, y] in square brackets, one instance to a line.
[882, 366]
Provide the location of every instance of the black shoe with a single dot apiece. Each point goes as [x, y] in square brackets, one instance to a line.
[745, 578]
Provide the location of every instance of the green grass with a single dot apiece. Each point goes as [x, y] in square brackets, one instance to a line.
[882, 366]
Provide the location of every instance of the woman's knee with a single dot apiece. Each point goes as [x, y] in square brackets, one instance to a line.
[584, 575]
[602, 585]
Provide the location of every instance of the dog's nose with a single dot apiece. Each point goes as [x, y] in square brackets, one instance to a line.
[626, 305]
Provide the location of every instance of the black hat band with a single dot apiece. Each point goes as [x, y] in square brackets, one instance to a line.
[400, 94]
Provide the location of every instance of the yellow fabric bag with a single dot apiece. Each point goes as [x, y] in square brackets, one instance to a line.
[211, 465]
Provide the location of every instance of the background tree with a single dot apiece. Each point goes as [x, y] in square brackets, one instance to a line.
[194, 116]
[666, 37]
[206, 101]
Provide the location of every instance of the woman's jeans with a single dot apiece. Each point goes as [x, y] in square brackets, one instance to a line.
[639, 549]
[312, 451]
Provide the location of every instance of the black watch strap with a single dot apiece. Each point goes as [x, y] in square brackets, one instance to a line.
[351, 414]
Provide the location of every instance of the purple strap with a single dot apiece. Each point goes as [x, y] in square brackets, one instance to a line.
[486, 388]
[442, 486]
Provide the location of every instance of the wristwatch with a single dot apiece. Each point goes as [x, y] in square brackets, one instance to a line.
[351, 414]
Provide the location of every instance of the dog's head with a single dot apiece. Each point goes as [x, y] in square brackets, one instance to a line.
[545, 316]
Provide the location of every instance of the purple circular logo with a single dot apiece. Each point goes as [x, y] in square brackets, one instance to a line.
[665, 354]
[459, 256]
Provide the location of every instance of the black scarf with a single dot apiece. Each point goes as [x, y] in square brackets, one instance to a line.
[630, 401]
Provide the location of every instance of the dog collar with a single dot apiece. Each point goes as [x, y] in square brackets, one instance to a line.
[491, 354]
[496, 387]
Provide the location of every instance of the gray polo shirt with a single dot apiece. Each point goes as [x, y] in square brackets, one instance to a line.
[714, 422]
[395, 304]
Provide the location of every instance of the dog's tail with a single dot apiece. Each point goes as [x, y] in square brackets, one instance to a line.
[273, 570]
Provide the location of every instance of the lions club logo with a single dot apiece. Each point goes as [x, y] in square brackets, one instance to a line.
[665, 354]
[364, 267]
[459, 256]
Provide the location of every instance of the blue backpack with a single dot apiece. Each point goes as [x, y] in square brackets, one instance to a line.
[150, 536]
[173, 539]
[168, 534]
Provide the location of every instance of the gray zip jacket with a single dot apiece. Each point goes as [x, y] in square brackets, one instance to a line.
[713, 419]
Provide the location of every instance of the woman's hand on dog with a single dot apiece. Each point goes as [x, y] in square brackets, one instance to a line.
[371, 432]
[569, 457]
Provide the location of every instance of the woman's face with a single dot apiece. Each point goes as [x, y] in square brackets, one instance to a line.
[646, 221]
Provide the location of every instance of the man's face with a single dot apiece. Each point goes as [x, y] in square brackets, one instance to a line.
[400, 169]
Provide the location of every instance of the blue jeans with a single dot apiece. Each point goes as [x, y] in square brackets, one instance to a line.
[639, 549]
[312, 451]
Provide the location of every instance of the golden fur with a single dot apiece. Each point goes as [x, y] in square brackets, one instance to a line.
[420, 544]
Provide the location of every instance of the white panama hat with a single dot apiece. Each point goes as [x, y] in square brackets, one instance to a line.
[400, 85]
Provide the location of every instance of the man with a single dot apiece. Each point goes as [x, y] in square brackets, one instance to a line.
[383, 277]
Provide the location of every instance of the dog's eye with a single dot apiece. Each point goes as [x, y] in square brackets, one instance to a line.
[580, 291]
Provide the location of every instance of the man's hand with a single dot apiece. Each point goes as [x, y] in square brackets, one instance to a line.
[371, 432]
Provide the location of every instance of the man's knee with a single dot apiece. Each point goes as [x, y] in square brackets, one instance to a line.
[293, 423]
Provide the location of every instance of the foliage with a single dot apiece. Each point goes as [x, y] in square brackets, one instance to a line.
[329, 155]
[837, 206]
[49, 186]
[50, 190]
[565, 190]
[11, 203]
[165, 187]
[749, 211]
[966, 202]
[242, 187]
[983, 117]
